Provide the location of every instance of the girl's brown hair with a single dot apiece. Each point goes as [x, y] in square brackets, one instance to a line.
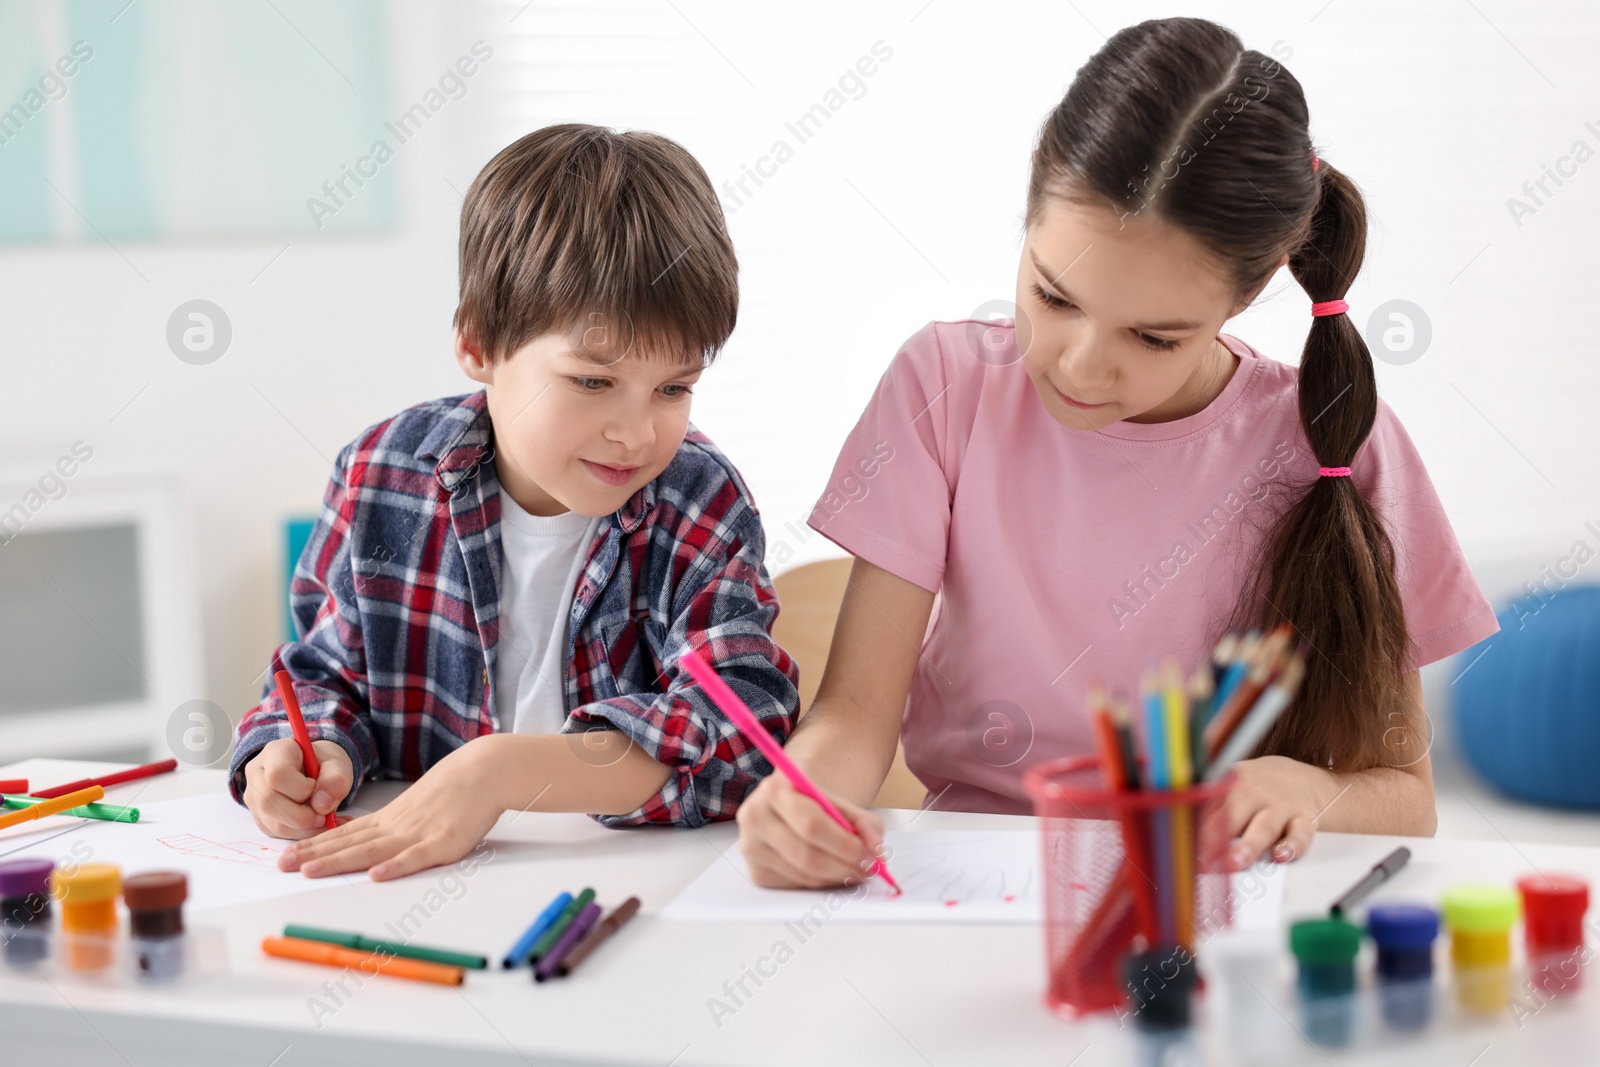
[1175, 117]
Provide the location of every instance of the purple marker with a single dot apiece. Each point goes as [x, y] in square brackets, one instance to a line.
[571, 936]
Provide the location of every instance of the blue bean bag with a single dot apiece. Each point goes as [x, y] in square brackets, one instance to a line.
[1528, 710]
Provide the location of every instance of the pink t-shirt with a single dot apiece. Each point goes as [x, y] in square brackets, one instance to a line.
[1064, 557]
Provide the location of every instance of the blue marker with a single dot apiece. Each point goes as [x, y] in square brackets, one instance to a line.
[519, 952]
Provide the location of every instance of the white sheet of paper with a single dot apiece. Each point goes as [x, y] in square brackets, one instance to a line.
[948, 876]
[210, 838]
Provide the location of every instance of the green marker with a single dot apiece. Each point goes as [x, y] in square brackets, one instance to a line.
[557, 928]
[392, 948]
[106, 812]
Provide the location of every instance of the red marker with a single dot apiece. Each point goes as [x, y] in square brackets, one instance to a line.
[13, 785]
[115, 778]
[297, 723]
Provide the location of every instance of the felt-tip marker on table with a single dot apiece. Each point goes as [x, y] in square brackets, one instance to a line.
[726, 699]
[368, 963]
[53, 806]
[149, 770]
[1386, 869]
[392, 948]
[518, 955]
[106, 812]
[563, 922]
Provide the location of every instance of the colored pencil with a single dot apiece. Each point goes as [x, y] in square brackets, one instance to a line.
[1274, 701]
[1125, 742]
[297, 724]
[1241, 652]
[1266, 662]
[553, 933]
[743, 718]
[1200, 693]
[1160, 818]
[1221, 660]
[1116, 775]
[582, 923]
[518, 955]
[1157, 766]
[394, 948]
[52, 806]
[114, 778]
[292, 948]
[597, 936]
[104, 812]
[1178, 754]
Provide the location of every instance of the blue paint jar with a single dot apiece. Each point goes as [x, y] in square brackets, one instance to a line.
[1404, 934]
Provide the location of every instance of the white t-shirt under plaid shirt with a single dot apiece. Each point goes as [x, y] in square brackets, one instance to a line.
[541, 558]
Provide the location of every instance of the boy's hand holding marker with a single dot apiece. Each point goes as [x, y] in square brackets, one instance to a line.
[287, 802]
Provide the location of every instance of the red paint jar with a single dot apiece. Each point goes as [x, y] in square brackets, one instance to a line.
[1553, 906]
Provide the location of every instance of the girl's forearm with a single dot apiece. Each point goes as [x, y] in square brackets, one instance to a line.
[598, 772]
[838, 748]
[1383, 800]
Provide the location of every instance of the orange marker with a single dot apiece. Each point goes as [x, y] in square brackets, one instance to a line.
[297, 723]
[293, 948]
[52, 806]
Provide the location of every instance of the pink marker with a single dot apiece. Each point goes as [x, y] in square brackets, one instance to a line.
[726, 699]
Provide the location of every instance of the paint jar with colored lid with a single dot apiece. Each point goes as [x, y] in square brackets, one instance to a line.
[1326, 951]
[25, 909]
[155, 917]
[1404, 934]
[1553, 906]
[1480, 918]
[88, 897]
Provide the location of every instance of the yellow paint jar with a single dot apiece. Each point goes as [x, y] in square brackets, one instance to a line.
[88, 896]
[1480, 918]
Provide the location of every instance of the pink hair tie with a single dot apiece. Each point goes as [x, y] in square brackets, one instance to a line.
[1329, 307]
[1315, 162]
[1333, 472]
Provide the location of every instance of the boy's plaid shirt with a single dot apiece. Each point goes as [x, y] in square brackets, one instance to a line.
[396, 602]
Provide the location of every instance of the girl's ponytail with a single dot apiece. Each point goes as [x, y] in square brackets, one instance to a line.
[1327, 564]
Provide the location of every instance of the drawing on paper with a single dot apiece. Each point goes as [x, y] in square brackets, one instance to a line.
[231, 852]
[943, 875]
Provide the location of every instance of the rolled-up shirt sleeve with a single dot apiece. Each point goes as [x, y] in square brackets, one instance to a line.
[724, 609]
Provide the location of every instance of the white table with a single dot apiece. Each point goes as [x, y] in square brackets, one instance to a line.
[886, 995]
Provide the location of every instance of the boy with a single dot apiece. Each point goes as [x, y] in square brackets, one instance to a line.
[500, 584]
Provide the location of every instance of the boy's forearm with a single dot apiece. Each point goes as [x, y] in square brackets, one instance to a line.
[838, 755]
[598, 772]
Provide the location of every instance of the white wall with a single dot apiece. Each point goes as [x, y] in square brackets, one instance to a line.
[903, 208]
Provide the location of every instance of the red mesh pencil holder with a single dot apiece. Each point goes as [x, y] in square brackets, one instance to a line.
[1123, 870]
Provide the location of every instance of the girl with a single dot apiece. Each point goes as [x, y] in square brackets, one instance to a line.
[1108, 481]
